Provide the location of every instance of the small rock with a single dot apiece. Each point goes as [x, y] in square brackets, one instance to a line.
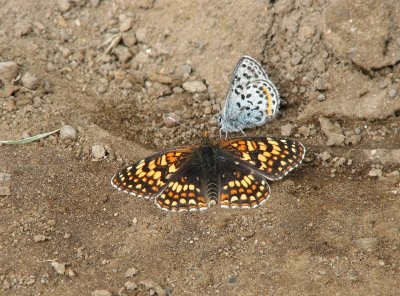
[8, 71]
[40, 238]
[393, 93]
[30, 81]
[305, 131]
[70, 272]
[125, 25]
[58, 267]
[141, 34]
[64, 5]
[130, 286]
[368, 244]
[374, 172]
[170, 119]
[123, 54]
[183, 70]
[177, 90]
[357, 131]
[142, 58]
[5, 177]
[394, 174]
[101, 293]
[98, 151]
[195, 86]
[287, 130]
[208, 110]
[321, 97]
[37, 102]
[296, 59]
[94, 3]
[325, 156]
[333, 132]
[68, 133]
[353, 140]
[149, 284]
[131, 272]
[23, 29]
[128, 39]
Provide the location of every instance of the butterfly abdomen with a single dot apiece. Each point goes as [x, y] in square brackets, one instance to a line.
[210, 173]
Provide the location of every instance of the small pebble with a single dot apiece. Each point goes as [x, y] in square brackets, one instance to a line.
[58, 267]
[321, 97]
[125, 25]
[195, 86]
[141, 34]
[296, 59]
[40, 238]
[130, 286]
[123, 54]
[29, 81]
[287, 130]
[8, 71]
[393, 93]
[357, 131]
[170, 119]
[64, 5]
[374, 172]
[98, 151]
[23, 29]
[67, 132]
[142, 58]
[325, 156]
[128, 39]
[131, 272]
[183, 70]
[101, 293]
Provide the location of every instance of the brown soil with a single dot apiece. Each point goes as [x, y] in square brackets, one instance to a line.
[332, 227]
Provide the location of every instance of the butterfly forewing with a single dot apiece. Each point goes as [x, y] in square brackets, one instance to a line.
[240, 185]
[273, 157]
[149, 176]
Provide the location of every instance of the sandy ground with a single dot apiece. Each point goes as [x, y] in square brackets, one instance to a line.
[332, 227]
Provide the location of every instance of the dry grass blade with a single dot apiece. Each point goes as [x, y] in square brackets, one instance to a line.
[29, 139]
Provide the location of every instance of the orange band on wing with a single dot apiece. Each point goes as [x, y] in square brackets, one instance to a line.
[269, 108]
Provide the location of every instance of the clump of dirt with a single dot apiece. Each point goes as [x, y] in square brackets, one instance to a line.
[111, 73]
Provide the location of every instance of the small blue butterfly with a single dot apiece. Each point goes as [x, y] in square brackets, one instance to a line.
[252, 99]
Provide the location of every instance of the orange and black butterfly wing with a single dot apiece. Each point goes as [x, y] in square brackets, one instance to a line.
[148, 177]
[240, 186]
[273, 157]
[185, 191]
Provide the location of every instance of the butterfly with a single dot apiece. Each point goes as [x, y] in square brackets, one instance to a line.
[252, 98]
[233, 173]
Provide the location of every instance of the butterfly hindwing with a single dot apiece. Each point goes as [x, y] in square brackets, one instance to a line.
[149, 176]
[273, 157]
[185, 191]
[240, 185]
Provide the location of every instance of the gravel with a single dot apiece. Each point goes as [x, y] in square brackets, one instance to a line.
[125, 25]
[98, 151]
[321, 98]
[129, 39]
[67, 132]
[142, 58]
[123, 54]
[130, 286]
[64, 5]
[333, 132]
[8, 71]
[393, 93]
[374, 172]
[170, 119]
[141, 35]
[30, 81]
[183, 70]
[58, 267]
[40, 238]
[131, 272]
[287, 130]
[195, 86]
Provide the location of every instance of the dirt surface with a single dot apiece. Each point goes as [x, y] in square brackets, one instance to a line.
[111, 69]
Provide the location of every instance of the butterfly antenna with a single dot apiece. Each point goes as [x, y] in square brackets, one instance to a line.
[169, 117]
